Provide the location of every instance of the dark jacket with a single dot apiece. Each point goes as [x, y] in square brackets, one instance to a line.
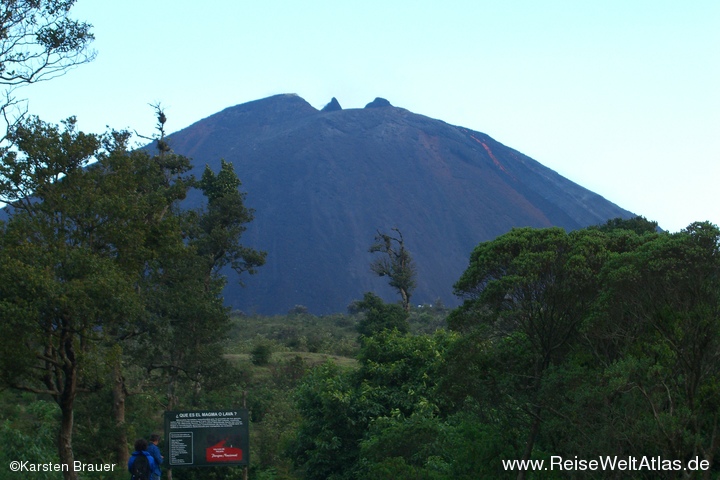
[151, 461]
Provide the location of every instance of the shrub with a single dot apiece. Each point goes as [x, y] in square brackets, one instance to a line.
[260, 355]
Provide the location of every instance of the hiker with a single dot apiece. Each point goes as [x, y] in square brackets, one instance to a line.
[141, 463]
[154, 451]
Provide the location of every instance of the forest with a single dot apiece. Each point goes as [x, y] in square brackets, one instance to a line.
[582, 354]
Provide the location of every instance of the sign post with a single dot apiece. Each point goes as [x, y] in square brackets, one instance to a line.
[207, 438]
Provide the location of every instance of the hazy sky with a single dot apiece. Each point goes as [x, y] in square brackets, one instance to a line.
[620, 96]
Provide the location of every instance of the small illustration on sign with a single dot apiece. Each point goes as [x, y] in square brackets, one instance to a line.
[220, 453]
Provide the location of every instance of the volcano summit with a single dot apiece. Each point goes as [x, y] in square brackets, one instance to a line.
[323, 182]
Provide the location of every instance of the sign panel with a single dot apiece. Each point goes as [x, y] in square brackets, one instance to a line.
[207, 438]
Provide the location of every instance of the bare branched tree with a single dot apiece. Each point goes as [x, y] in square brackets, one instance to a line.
[396, 264]
[38, 41]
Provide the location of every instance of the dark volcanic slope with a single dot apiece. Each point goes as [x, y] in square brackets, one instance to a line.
[323, 182]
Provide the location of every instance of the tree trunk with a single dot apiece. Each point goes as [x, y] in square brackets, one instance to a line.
[172, 400]
[67, 402]
[405, 299]
[534, 430]
[119, 394]
[709, 455]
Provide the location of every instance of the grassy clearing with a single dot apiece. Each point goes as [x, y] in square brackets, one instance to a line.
[332, 335]
[310, 359]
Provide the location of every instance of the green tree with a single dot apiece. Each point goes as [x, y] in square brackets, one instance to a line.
[64, 283]
[102, 273]
[526, 295]
[400, 447]
[338, 408]
[396, 264]
[187, 324]
[657, 334]
[261, 354]
[428, 446]
[326, 443]
[379, 316]
[190, 320]
[398, 372]
[217, 230]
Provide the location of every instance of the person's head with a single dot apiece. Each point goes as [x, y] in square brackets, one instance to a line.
[140, 445]
[154, 438]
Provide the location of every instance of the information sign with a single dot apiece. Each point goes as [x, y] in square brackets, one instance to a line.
[207, 438]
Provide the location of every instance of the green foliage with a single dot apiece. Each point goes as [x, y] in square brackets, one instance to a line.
[639, 225]
[216, 232]
[28, 431]
[338, 407]
[331, 334]
[326, 442]
[104, 276]
[399, 372]
[261, 354]
[597, 341]
[380, 316]
[527, 294]
[657, 330]
[429, 447]
[427, 320]
[71, 277]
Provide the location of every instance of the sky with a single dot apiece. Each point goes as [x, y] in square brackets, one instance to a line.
[621, 97]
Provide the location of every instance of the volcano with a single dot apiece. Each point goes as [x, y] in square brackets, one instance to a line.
[324, 182]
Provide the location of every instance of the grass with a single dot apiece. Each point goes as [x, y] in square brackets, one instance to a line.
[309, 359]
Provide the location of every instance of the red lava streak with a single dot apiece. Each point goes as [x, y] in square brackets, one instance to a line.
[489, 152]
